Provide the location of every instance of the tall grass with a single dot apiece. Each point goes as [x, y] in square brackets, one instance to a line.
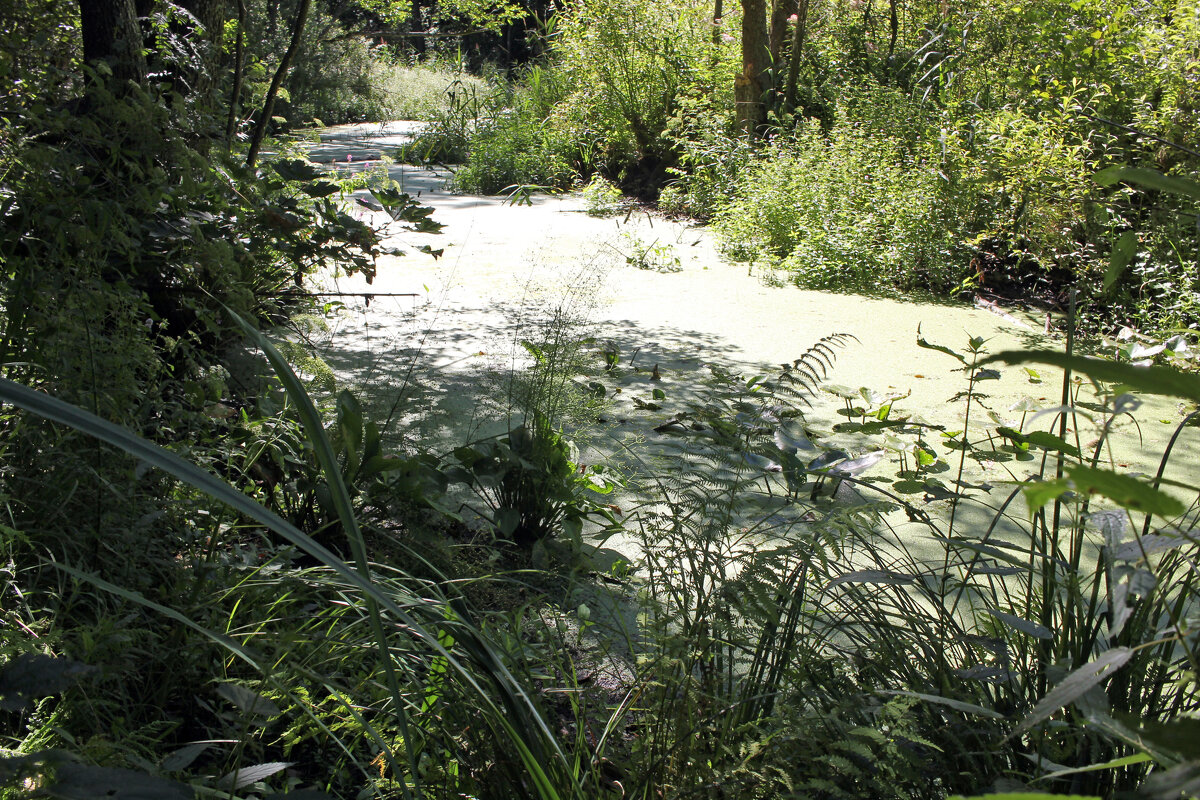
[859, 645]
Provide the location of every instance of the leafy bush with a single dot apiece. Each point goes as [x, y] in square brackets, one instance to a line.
[846, 210]
[515, 150]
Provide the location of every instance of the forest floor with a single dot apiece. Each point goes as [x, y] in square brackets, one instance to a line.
[435, 355]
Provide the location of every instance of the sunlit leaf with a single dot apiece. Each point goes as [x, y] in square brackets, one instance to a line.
[1148, 179]
[1155, 380]
[244, 776]
[921, 342]
[1126, 490]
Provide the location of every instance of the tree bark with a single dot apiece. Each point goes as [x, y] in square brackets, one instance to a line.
[110, 33]
[894, 32]
[789, 99]
[211, 16]
[239, 65]
[264, 118]
[751, 83]
[781, 10]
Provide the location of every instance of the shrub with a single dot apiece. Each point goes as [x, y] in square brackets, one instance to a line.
[852, 209]
[511, 137]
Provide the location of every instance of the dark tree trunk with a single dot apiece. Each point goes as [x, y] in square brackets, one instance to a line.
[894, 24]
[239, 62]
[781, 10]
[418, 26]
[751, 83]
[264, 118]
[211, 16]
[789, 100]
[110, 33]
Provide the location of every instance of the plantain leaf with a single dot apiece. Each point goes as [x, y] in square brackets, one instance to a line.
[33, 675]
[248, 700]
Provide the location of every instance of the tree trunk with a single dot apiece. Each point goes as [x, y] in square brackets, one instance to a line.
[110, 33]
[789, 99]
[751, 83]
[239, 72]
[781, 10]
[894, 32]
[211, 16]
[264, 118]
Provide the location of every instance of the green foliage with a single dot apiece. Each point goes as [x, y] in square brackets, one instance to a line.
[602, 197]
[515, 151]
[433, 629]
[531, 487]
[851, 209]
[654, 256]
[627, 64]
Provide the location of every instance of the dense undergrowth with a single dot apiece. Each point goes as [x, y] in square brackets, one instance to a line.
[218, 581]
[952, 155]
